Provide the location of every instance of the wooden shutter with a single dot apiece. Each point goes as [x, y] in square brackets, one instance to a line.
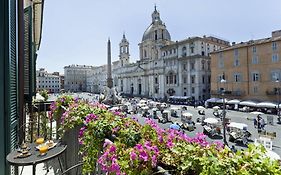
[9, 83]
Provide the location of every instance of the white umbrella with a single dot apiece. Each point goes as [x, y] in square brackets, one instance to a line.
[200, 107]
[145, 107]
[187, 114]
[211, 120]
[233, 102]
[221, 100]
[267, 105]
[216, 107]
[248, 103]
[272, 155]
[142, 101]
[174, 108]
[257, 113]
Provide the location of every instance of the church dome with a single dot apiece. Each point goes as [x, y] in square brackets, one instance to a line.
[157, 29]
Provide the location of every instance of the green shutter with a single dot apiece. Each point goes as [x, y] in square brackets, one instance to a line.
[27, 53]
[9, 85]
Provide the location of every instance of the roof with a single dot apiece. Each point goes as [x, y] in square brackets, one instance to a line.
[250, 43]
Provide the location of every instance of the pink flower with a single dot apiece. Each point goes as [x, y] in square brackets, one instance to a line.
[170, 144]
[143, 155]
[154, 160]
[112, 149]
[133, 155]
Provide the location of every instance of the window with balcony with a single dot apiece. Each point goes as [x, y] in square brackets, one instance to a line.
[237, 77]
[255, 76]
[275, 75]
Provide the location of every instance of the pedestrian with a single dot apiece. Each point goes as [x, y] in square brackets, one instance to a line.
[262, 123]
[233, 149]
[255, 122]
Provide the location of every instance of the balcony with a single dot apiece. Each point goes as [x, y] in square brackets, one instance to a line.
[130, 137]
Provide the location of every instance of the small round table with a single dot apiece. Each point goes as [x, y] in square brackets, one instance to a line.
[35, 157]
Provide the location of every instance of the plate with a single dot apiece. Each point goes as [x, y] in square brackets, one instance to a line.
[20, 150]
[50, 147]
[21, 155]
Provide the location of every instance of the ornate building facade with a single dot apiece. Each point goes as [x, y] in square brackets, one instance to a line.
[166, 67]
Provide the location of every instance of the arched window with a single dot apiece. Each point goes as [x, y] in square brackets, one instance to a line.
[155, 34]
[145, 54]
[184, 51]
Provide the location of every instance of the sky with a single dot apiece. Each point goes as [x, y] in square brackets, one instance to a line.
[76, 32]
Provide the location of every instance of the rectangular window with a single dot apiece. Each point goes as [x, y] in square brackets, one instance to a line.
[156, 80]
[191, 49]
[274, 46]
[203, 65]
[192, 65]
[175, 79]
[167, 79]
[275, 58]
[184, 80]
[254, 49]
[236, 53]
[184, 66]
[193, 90]
[255, 77]
[203, 79]
[193, 79]
[236, 61]
[221, 62]
[255, 59]
[255, 90]
[275, 75]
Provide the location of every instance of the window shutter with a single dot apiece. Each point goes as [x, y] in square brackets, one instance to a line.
[9, 83]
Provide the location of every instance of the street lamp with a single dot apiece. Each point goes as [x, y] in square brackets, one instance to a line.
[223, 113]
[278, 101]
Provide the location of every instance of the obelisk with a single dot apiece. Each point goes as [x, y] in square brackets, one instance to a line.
[109, 74]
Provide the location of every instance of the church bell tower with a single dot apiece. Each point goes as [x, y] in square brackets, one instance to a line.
[124, 54]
